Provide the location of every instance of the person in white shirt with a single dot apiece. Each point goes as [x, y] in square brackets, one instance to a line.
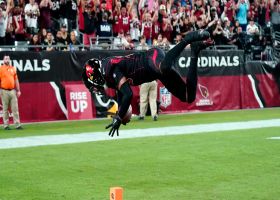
[135, 28]
[32, 13]
[120, 42]
[143, 44]
[252, 29]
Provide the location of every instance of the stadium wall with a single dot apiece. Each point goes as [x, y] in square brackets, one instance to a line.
[225, 82]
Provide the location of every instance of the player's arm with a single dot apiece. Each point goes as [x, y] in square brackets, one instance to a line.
[124, 99]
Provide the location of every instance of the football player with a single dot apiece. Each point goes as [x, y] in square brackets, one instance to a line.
[120, 72]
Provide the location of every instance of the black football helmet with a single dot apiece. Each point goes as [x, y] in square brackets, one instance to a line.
[92, 76]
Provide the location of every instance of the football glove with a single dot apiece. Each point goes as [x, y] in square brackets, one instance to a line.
[115, 125]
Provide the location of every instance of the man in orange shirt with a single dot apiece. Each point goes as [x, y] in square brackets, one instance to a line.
[10, 92]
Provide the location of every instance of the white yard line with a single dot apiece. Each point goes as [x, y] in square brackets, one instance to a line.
[274, 138]
[32, 141]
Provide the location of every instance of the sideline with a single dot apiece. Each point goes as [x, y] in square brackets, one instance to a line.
[32, 141]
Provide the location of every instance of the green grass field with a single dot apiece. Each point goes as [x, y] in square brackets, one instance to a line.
[231, 165]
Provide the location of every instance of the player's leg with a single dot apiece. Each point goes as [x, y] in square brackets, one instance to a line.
[191, 83]
[175, 84]
[172, 54]
[185, 91]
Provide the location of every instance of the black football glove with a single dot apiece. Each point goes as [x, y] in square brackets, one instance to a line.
[115, 125]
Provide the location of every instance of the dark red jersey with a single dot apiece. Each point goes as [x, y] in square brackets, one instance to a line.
[138, 67]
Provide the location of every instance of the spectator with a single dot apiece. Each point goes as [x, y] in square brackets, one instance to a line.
[253, 11]
[275, 14]
[60, 41]
[120, 42]
[50, 42]
[219, 35]
[143, 9]
[148, 95]
[104, 30]
[146, 29]
[90, 24]
[55, 15]
[18, 23]
[10, 92]
[143, 44]
[45, 14]
[241, 15]
[124, 20]
[178, 38]
[135, 28]
[227, 28]
[162, 13]
[3, 23]
[100, 12]
[213, 13]
[165, 44]
[167, 29]
[262, 10]
[238, 38]
[236, 26]
[185, 25]
[198, 8]
[158, 41]
[129, 45]
[32, 13]
[252, 29]
[64, 34]
[43, 35]
[72, 15]
[175, 21]
[74, 44]
[116, 16]
[10, 30]
[156, 29]
[229, 10]
[69, 14]
[35, 41]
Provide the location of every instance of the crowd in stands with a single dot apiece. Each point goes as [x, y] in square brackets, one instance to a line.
[133, 24]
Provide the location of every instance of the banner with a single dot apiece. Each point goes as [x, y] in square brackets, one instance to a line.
[213, 63]
[260, 85]
[79, 103]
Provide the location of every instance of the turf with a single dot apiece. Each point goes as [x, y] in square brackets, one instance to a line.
[227, 165]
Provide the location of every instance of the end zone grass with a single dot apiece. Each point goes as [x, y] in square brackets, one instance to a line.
[216, 166]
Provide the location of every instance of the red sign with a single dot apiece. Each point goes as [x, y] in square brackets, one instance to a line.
[78, 100]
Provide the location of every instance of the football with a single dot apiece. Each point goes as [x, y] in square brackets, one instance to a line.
[128, 115]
